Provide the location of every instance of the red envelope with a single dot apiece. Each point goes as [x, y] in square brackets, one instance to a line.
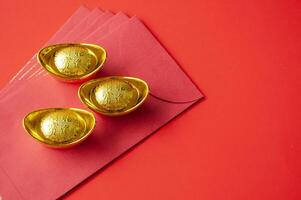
[37, 172]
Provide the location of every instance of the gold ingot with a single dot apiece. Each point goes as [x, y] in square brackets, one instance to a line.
[59, 127]
[115, 95]
[72, 62]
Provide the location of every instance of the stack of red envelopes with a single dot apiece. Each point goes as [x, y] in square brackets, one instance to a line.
[28, 170]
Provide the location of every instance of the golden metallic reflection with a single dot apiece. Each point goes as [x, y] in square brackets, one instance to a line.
[59, 127]
[72, 62]
[114, 96]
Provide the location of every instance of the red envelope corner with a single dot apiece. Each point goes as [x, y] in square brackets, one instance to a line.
[88, 25]
[42, 173]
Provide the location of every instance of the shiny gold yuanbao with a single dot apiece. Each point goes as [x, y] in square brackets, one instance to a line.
[115, 95]
[112, 96]
[72, 62]
[59, 127]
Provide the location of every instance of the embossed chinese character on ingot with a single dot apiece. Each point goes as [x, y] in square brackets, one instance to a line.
[114, 95]
[72, 62]
[59, 127]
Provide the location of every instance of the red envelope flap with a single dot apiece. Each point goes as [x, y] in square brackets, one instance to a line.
[143, 56]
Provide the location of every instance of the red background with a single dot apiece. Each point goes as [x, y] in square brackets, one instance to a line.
[242, 141]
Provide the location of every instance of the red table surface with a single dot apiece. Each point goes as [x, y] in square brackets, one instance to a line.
[242, 141]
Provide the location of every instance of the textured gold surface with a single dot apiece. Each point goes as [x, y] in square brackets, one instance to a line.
[62, 126]
[59, 127]
[72, 62]
[114, 95]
